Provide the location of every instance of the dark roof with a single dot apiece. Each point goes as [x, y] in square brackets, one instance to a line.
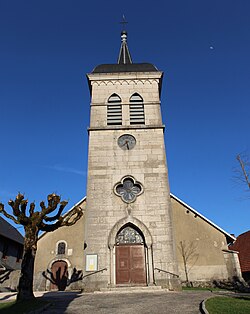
[242, 245]
[130, 67]
[124, 63]
[8, 231]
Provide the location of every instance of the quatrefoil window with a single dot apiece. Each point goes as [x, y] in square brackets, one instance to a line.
[128, 189]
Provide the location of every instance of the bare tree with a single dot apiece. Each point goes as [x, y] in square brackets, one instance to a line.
[33, 223]
[242, 173]
[189, 256]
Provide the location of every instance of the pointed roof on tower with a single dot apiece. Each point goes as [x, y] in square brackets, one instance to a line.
[124, 55]
[124, 63]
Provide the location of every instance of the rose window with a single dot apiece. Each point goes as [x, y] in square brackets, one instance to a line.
[128, 189]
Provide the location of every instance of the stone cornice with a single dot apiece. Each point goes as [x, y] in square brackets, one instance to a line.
[124, 76]
[125, 103]
[126, 127]
[124, 81]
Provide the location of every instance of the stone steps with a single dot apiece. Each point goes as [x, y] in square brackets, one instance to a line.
[132, 289]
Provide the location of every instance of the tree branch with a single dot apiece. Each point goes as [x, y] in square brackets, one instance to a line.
[32, 208]
[52, 227]
[23, 206]
[243, 168]
[61, 208]
[53, 201]
[2, 210]
[42, 205]
[75, 214]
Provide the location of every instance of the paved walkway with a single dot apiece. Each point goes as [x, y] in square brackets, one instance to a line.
[159, 302]
[136, 303]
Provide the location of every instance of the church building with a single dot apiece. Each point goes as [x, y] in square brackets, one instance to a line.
[134, 232]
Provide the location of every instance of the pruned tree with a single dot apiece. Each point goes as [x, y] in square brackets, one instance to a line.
[242, 172]
[33, 223]
[189, 255]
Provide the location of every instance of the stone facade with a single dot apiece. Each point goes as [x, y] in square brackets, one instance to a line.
[146, 163]
[133, 231]
[125, 85]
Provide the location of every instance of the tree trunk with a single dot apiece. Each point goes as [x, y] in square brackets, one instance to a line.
[185, 268]
[183, 253]
[25, 286]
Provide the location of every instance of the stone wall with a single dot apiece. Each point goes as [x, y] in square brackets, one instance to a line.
[232, 264]
[146, 163]
[9, 280]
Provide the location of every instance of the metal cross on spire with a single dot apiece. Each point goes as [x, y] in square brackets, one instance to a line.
[124, 55]
[123, 22]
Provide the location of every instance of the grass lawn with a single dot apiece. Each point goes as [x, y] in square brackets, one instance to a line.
[227, 305]
[201, 289]
[21, 307]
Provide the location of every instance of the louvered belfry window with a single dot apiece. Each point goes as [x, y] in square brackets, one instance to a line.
[114, 110]
[136, 109]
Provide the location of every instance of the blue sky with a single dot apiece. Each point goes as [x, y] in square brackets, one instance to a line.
[202, 46]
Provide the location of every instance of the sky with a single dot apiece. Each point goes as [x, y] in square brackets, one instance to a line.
[203, 47]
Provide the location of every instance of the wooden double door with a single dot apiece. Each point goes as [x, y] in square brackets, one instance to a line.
[130, 264]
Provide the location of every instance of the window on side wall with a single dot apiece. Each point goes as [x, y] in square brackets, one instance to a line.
[61, 248]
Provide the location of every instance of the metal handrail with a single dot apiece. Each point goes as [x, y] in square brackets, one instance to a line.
[167, 272]
[95, 272]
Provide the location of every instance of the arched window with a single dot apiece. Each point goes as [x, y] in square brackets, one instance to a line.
[61, 248]
[136, 109]
[114, 110]
[129, 235]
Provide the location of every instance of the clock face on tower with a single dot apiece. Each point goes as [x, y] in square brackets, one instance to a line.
[126, 141]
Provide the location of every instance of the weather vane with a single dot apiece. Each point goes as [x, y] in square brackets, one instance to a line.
[124, 22]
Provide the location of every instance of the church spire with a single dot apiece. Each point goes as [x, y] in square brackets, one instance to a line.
[124, 55]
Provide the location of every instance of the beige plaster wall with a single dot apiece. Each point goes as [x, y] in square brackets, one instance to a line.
[202, 242]
[47, 251]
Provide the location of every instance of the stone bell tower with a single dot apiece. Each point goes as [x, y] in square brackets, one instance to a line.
[129, 237]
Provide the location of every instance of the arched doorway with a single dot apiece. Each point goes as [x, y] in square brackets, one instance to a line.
[59, 275]
[130, 256]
